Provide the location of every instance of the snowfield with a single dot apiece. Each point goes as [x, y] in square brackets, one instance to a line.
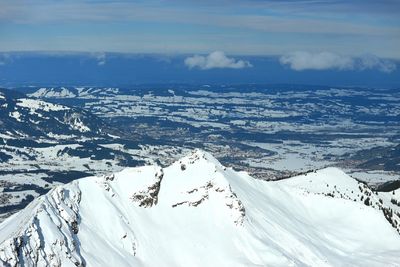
[196, 212]
[34, 105]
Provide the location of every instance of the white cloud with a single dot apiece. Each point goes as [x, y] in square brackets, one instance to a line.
[101, 58]
[302, 60]
[316, 61]
[216, 59]
[373, 62]
[4, 59]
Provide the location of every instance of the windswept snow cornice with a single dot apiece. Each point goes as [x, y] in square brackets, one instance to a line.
[196, 212]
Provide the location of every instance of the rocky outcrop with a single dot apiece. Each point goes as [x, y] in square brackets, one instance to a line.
[148, 197]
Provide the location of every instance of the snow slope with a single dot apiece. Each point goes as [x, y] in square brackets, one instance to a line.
[196, 212]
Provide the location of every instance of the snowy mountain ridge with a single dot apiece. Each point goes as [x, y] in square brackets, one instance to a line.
[196, 212]
[71, 92]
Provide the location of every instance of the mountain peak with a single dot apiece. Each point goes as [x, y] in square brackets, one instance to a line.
[198, 156]
[173, 216]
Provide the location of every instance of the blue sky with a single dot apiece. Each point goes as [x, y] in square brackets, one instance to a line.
[237, 27]
[115, 69]
[339, 42]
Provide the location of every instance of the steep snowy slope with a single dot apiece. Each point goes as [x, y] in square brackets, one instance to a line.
[198, 213]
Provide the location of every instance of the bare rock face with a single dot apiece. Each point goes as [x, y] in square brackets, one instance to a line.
[60, 209]
[148, 197]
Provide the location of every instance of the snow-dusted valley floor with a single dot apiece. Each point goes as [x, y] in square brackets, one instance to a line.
[55, 135]
[270, 131]
[197, 212]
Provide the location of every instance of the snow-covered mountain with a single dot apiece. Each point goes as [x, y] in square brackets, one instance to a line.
[72, 92]
[196, 212]
[22, 117]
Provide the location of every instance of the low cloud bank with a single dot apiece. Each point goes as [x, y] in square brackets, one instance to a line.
[214, 60]
[302, 60]
[100, 57]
